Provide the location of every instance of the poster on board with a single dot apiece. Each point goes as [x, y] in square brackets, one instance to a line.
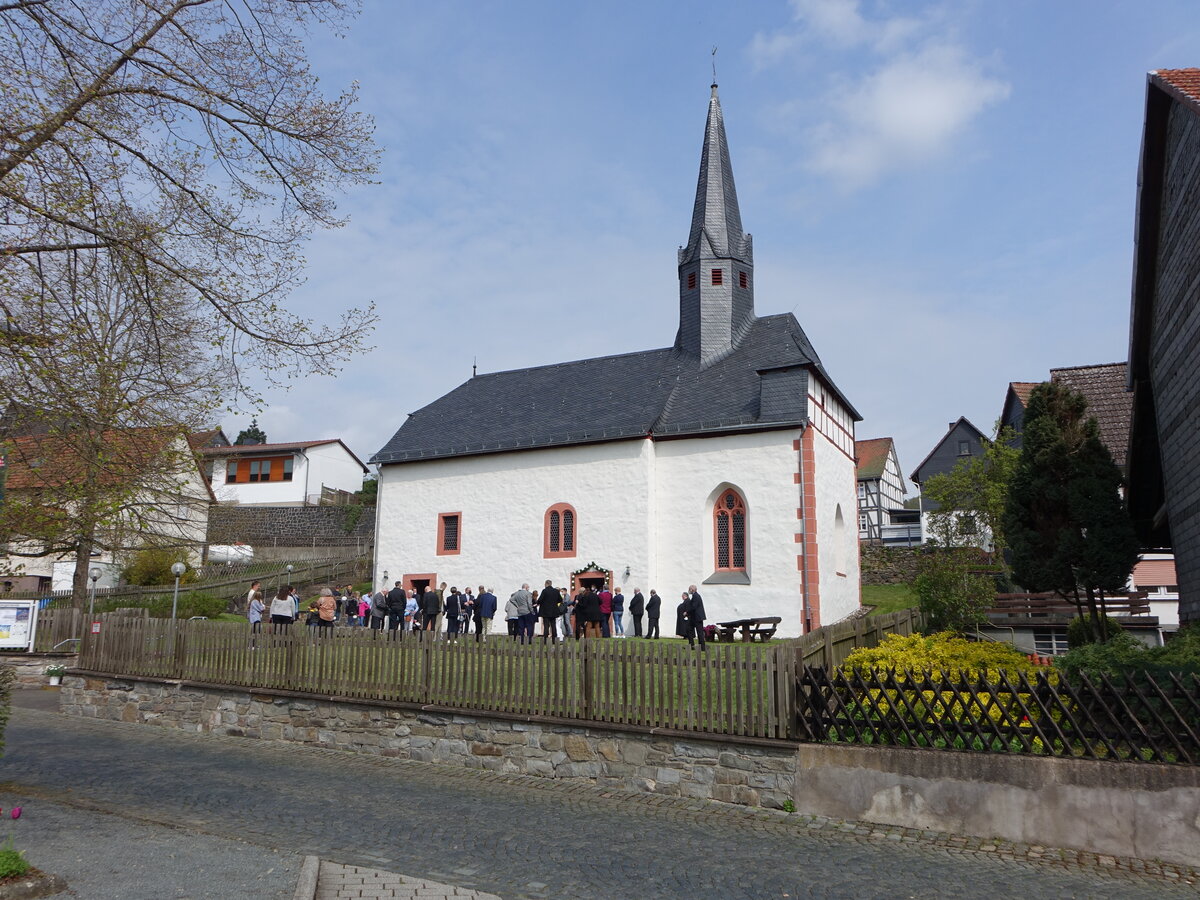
[17, 619]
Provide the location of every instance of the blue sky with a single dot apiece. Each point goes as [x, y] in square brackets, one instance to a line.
[942, 193]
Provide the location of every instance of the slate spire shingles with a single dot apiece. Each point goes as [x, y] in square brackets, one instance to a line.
[716, 215]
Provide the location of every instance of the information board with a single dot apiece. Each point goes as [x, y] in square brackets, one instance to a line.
[18, 620]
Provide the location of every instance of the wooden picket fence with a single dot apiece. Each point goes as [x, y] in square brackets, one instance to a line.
[730, 689]
[1135, 717]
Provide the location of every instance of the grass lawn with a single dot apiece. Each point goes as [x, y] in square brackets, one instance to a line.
[888, 598]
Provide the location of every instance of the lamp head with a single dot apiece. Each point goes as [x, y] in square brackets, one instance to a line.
[177, 569]
[94, 574]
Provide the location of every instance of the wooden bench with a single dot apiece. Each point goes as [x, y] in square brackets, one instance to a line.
[762, 629]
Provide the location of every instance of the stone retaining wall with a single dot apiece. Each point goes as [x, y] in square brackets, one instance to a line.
[728, 771]
[31, 667]
[887, 565]
[292, 526]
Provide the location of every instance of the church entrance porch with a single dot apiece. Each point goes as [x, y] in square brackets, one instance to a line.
[593, 577]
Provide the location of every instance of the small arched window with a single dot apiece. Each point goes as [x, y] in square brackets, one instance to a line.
[560, 531]
[729, 532]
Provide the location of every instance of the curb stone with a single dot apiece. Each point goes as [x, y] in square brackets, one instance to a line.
[306, 885]
[31, 886]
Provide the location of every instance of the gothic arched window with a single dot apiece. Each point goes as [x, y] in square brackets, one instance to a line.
[729, 532]
[560, 531]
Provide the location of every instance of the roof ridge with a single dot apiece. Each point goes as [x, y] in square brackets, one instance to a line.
[573, 362]
[1087, 366]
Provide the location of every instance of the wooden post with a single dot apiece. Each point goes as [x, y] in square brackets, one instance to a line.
[427, 667]
[587, 678]
[827, 648]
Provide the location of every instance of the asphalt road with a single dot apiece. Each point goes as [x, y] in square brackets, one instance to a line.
[238, 807]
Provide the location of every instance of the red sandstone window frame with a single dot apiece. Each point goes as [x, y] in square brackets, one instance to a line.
[568, 532]
[442, 548]
[724, 517]
[718, 276]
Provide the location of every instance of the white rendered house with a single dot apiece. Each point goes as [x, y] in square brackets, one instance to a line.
[282, 474]
[725, 460]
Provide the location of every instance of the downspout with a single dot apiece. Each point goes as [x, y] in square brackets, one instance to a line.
[806, 613]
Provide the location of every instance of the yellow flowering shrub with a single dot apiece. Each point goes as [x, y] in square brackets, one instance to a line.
[952, 710]
[940, 652]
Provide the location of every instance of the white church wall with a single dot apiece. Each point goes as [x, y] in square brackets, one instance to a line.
[690, 474]
[838, 563]
[502, 499]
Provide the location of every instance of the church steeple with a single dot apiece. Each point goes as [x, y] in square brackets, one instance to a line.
[716, 268]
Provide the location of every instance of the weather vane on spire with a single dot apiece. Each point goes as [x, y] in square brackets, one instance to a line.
[714, 64]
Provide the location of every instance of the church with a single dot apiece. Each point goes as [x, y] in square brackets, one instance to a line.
[725, 460]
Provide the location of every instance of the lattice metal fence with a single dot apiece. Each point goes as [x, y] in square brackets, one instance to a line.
[1133, 717]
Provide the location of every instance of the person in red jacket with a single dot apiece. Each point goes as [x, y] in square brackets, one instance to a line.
[605, 612]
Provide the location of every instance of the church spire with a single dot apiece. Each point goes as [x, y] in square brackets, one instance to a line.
[716, 268]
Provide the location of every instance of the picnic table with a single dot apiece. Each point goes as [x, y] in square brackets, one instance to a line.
[761, 629]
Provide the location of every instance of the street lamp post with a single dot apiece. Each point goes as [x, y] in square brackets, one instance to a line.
[94, 575]
[177, 569]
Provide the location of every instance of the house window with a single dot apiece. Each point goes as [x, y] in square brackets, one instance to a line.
[287, 468]
[256, 466]
[691, 280]
[209, 466]
[718, 276]
[743, 280]
[449, 534]
[231, 470]
[964, 448]
[864, 523]
[1050, 641]
[729, 532]
[559, 531]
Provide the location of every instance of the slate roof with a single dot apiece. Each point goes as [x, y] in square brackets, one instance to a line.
[872, 456]
[1104, 388]
[661, 392]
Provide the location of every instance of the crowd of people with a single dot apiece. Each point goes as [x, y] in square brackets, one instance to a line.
[550, 610]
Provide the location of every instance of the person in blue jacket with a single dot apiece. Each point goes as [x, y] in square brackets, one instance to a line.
[485, 611]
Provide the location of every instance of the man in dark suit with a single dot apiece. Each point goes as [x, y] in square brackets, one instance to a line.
[696, 616]
[637, 605]
[397, 600]
[653, 609]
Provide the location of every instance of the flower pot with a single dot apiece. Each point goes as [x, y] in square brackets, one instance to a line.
[55, 679]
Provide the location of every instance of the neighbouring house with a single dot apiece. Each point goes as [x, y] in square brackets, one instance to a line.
[152, 486]
[962, 441]
[296, 473]
[725, 460]
[882, 517]
[1016, 398]
[1155, 575]
[1164, 337]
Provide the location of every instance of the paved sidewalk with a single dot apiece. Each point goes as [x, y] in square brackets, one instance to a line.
[338, 882]
[523, 837]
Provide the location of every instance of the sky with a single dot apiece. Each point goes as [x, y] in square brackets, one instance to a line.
[942, 193]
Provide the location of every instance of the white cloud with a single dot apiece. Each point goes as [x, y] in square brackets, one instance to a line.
[921, 90]
[905, 113]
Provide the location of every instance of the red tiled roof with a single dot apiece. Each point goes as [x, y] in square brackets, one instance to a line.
[1108, 401]
[1185, 82]
[48, 461]
[1022, 390]
[872, 456]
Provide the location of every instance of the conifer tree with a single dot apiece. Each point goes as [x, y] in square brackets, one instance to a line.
[1067, 526]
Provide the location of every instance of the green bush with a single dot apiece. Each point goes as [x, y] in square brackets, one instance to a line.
[152, 566]
[193, 603]
[937, 652]
[1125, 654]
[12, 862]
[1080, 631]
[951, 591]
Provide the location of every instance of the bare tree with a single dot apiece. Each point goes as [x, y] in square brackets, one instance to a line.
[101, 457]
[188, 138]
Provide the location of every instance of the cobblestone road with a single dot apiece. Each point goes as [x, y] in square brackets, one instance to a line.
[502, 834]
